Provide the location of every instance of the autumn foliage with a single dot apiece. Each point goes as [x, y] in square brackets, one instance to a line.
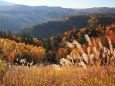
[10, 50]
[54, 47]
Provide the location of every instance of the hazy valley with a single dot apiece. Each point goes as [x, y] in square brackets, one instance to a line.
[18, 16]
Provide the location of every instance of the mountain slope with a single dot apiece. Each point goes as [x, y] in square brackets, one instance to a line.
[54, 27]
[20, 16]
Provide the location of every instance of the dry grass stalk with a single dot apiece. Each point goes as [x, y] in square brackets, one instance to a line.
[110, 45]
[88, 40]
[70, 45]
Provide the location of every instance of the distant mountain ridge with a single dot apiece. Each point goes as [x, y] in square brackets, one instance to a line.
[14, 17]
[99, 10]
[4, 3]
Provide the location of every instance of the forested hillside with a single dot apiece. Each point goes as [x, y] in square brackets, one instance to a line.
[48, 29]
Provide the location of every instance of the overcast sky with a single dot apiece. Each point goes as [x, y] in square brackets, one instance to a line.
[67, 3]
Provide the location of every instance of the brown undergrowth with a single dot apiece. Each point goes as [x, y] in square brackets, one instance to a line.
[67, 76]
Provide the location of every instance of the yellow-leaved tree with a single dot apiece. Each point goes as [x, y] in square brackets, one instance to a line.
[38, 53]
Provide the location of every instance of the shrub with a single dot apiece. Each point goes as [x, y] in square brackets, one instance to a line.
[3, 69]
